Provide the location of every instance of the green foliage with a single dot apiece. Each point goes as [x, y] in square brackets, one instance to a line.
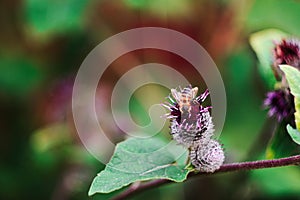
[245, 110]
[293, 77]
[19, 76]
[263, 43]
[140, 160]
[54, 143]
[276, 182]
[280, 145]
[279, 14]
[175, 9]
[50, 137]
[57, 35]
[48, 17]
[294, 133]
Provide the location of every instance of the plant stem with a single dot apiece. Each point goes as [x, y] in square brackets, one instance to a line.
[261, 164]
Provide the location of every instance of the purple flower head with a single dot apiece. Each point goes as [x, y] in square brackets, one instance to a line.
[286, 52]
[190, 121]
[280, 104]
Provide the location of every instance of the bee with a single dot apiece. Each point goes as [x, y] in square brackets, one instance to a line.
[184, 98]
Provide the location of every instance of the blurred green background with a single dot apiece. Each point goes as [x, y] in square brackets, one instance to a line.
[43, 43]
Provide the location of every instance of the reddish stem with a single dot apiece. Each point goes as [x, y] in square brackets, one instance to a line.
[292, 160]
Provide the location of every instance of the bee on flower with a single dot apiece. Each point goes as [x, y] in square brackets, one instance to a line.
[191, 125]
[190, 121]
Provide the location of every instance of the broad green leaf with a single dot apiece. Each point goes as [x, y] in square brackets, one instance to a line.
[293, 77]
[294, 133]
[263, 43]
[140, 160]
[48, 17]
[278, 14]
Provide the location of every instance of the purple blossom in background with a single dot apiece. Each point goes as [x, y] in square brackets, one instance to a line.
[286, 52]
[280, 104]
[58, 102]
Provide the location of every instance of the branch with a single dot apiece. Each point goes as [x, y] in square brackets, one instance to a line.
[292, 160]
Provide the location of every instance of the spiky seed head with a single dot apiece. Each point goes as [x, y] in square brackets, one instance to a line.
[207, 156]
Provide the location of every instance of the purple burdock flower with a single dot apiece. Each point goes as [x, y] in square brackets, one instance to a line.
[192, 126]
[190, 121]
[286, 52]
[280, 104]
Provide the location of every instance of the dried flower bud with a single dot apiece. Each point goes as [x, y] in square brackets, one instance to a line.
[207, 156]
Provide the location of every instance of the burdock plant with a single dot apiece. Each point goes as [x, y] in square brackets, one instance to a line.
[192, 126]
[280, 102]
[147, 163]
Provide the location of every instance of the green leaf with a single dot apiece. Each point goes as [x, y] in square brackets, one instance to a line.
[274, 13]
[293, 77]
[263, 43]
[48, 17]
[140, 160]
[294, 133]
